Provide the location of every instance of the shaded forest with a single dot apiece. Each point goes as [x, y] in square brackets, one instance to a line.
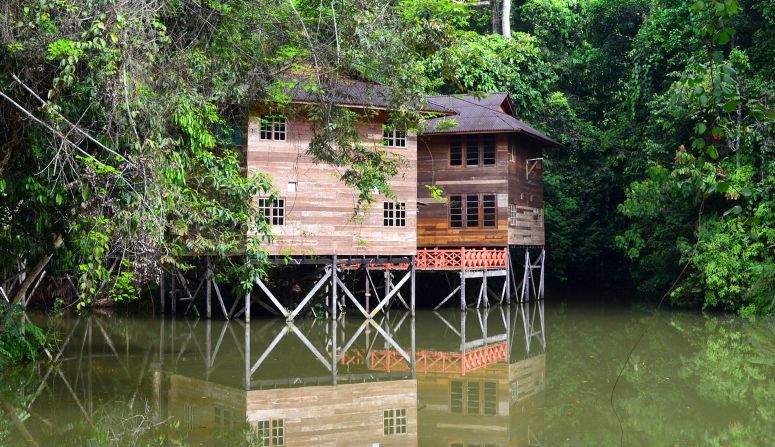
[113, 161]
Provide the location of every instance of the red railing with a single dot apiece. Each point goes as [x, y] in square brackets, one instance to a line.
[463, 258]
[431, 361]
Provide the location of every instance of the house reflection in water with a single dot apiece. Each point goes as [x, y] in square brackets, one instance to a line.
[477, 379]
[441, 379]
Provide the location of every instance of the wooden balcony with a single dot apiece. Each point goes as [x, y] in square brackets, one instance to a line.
[462, 259]
[428, 362]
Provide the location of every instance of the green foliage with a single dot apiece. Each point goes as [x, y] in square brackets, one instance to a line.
[20, 341]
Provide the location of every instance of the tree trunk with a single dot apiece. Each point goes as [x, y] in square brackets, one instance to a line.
[506, 19]
[19, 296]
[496, 17]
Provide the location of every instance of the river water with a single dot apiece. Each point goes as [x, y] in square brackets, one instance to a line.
[525, 375]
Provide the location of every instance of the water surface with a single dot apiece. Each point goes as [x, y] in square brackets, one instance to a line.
[522, 375]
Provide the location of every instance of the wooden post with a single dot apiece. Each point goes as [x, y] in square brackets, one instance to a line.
[208, 290]
[462, 290]
[368, 289]
[247, 307]
[484, 287]
[413, 280]
[247, 349]
[208, 346]
[174, 294]
[334, 297]
[161, 290]
[508, 276]
[541, 281]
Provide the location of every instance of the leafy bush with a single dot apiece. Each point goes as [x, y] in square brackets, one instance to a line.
[20, 341]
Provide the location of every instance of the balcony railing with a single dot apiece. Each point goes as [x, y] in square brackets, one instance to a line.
[461, 259]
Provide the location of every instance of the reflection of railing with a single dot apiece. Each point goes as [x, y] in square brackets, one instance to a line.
[430, 361]
[464, 258]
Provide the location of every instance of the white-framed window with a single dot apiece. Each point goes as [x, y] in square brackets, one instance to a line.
[512, 148]
[273, 127]
[392, 136]
[512, 214]
[271, 432]
[394, 214]
[538, 217]
[394, 421]
[189, 417]
[273, 210]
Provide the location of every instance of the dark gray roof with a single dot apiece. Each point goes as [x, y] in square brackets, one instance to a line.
[353, 93]
[492, 113]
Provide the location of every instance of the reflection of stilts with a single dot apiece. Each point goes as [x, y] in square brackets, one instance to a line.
[528, 313]
[334, 353]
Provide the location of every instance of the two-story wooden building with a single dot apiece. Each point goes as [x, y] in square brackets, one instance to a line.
[314, 215]
[485, 160]
[488, 164]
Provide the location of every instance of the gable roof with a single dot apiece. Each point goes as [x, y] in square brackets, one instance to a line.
[493, 113]
[353, 93]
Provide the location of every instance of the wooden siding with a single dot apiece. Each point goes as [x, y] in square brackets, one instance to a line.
[433, 228]
[338, 415]
[512, 422]
[319, 215]
[507, 179]
[527, 192]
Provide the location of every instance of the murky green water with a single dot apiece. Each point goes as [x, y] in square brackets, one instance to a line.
[516, 376]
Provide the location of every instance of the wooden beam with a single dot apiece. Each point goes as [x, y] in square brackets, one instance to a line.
[311, 294]
[390, 295]
[220, 298]
[451, 294]
[352, 298]
[272, 298]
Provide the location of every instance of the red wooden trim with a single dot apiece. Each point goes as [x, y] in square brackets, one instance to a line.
[460, 259]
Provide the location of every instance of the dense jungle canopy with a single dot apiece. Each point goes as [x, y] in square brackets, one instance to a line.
[117, 159]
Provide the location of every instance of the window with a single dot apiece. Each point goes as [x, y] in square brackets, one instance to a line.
[394, 421]
[472, 150]
[272, 127]
[538, 218]
[514, 391]
[489, 211]
[512, 214]
[394, 214]
[273, 210]
[189, 417]
[455, 211]
[225, 417]
[472, 398]
[488, 150]
[392, 137]
[456, 396]
[292, 186]
[475, 397]
[271, 432]
[472, 207]
[472, 211]
[490, 400]
[455, 151]
[512, 148]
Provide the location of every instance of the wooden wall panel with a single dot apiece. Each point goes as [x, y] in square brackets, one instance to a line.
[338, 415]
[507, 179]
[433, 168]
[319, 216]
[527, 192]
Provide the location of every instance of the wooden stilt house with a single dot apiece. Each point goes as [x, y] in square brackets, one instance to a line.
[488, 164]
[314, 213]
